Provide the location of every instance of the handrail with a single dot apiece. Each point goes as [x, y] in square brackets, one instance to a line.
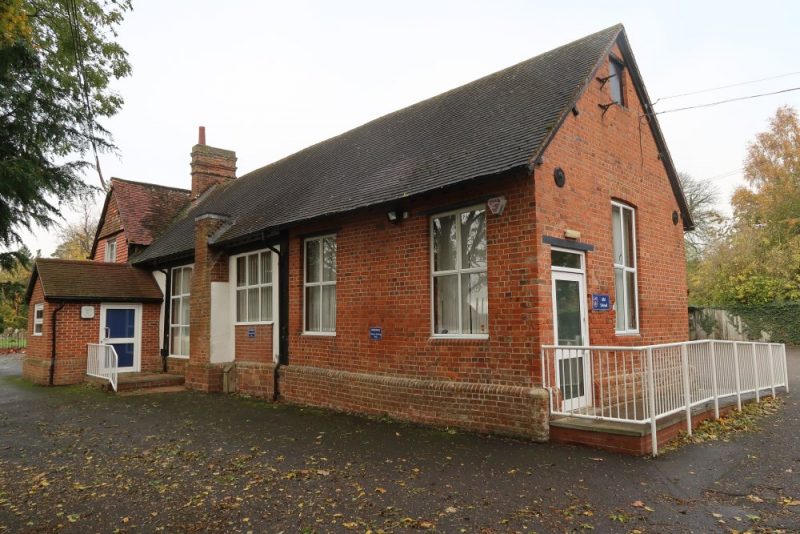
[102, 361]
[642, 384]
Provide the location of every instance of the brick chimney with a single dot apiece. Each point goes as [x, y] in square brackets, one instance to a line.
[210, 166]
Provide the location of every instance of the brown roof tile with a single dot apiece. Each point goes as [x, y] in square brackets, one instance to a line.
[93, 281]
[146, 210]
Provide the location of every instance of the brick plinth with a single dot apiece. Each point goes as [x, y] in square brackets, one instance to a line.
[177, 366]
[206, 377]
[255, 379]
[487, 408]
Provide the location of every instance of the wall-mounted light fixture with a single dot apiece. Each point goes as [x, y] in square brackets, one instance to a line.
[397, 215]
[496, 205]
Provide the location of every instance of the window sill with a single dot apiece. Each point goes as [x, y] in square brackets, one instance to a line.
[319, 334]
[628, 334]
[178, 357]
[38, 335]
[473, 337]
[254, 323]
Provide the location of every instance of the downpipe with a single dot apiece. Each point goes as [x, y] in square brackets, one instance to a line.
[53, 321]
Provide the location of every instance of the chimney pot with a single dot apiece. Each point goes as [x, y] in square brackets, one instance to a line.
[202, 136]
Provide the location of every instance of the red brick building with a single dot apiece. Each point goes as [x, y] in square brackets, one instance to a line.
[415, 265]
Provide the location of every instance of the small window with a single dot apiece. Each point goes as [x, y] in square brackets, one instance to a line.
[459, 278]
[616, 73]
[566, 260]
[38, 319]
[180, 303]
[111, 250]
[254, 287]
[623, 220]
[320, 285]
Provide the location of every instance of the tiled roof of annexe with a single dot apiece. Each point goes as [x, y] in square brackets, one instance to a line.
[84, 280]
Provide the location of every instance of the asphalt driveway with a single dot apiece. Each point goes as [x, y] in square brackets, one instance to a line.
[79, 460]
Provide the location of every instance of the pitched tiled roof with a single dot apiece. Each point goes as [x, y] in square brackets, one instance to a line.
[499, 122]
[146, 210]
[93, 281]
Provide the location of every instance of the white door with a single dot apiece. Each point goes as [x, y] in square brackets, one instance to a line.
[121, 327]
[571, 329]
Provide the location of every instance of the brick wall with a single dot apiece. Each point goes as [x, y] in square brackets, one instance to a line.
[112, 228]
[607, 156]
[122, 248]
[490, 408]
[209, 266]
[72, 336]
[254, 362]
[383, 279]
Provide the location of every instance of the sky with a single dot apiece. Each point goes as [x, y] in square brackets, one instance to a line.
[268, 78]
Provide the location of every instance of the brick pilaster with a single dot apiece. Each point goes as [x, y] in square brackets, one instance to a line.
[209, 266]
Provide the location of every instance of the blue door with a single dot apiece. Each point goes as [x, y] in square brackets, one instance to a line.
[120, 331]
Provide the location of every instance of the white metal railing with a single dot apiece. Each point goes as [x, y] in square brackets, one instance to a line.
[102, 361]
[645, 384]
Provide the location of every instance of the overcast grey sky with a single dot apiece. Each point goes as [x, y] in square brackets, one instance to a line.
[270, 78]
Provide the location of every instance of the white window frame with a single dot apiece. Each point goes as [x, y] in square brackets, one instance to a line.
[111, 244]
[236, 288]
[38, 321]
[458, 271]
[172, 299]
[307, 284]
[625, 270]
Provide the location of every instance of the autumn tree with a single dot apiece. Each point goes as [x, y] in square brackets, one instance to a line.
[709, 224]
[759, 262]
[13, 280]
[75, 239]
[57, 60]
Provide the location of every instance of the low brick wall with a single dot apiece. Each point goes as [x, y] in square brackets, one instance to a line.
[256, 379]
[177, 366]
[496, 409]
[206, 377]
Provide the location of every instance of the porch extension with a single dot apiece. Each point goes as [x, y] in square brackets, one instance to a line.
[601, 396]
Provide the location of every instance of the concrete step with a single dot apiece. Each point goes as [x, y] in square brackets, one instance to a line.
[139, 381]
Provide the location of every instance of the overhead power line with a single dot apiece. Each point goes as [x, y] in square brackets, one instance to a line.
[718, 88]
[726, 101]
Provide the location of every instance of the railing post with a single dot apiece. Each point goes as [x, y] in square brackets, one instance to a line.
[785, 368]
[755, 370]
[714, 380]
[771, 371]
[651, 401]
[687, 395]
[738, 379]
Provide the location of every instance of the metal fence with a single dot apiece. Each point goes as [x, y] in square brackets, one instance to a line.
[645, 384]
[102, 362]
[13, 339]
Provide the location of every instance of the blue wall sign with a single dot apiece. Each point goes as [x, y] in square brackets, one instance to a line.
[251, 332]
[376, 333]
[601, 302]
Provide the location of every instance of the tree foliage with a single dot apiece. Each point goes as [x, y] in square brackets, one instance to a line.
[759, 261]
[709, 223]
[75, 239]
[57, 60]
[13, 280]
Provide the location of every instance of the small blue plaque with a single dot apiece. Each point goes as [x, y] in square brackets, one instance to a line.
[376, 333]
[601, 302]
[251, 332]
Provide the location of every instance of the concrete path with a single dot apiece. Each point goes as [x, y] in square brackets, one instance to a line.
[79, 460]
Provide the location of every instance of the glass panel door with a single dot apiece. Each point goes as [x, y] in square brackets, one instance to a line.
[569, 318]
[119, 329]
